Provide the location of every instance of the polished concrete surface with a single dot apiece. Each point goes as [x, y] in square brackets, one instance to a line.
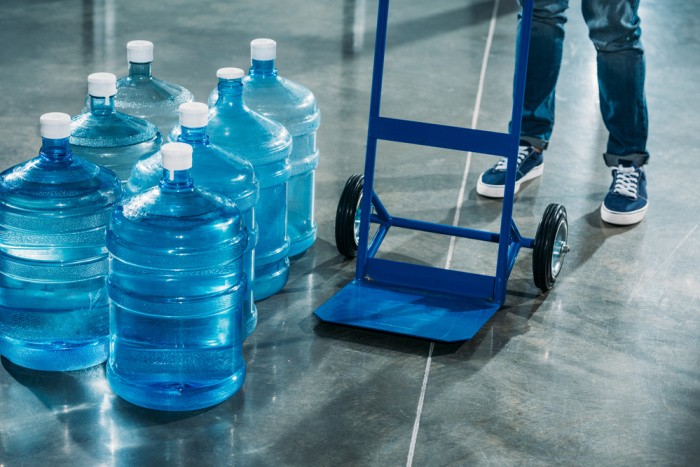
[604, 370]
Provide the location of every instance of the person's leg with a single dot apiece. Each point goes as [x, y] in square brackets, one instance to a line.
[615, 31]
[544, 62]
[543, 65]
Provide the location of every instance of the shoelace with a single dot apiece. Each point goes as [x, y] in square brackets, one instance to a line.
[523, 152]
[626, 181]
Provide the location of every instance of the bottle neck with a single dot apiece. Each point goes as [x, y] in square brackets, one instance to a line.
[263, 69]
[193, 136]
[230, 92]
[55, 150]
[176, 180]
[102, 105]
[140, 70]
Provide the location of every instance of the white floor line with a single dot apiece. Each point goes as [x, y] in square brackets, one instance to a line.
[475, 120]
[455, 222]
[419, 411]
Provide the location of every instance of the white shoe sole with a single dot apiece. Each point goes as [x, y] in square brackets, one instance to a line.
[498, 191]
[619, 218]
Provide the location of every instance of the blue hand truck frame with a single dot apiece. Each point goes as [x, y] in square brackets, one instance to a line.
[423, 301]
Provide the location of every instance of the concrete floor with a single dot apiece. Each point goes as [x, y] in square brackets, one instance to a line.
[604, 370]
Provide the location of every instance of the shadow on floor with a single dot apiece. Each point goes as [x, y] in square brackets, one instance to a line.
[76, 396]
[81, 402]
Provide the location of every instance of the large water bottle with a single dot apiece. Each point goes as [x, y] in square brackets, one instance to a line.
[176, 286]
[217, 171]
[54, 211]
[267, 145]
[143, 96]
[294, 106]
[109, 138]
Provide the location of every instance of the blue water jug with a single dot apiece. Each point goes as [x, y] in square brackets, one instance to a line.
[267, 145]
[176, 285]
[54, 211]
[109, 138]
[294, 106]
[144, 96]
[216, 171]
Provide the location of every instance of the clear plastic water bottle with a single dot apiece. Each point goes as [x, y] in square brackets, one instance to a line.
[143, 96]
[267, 145]
[176, 285]
[294, 106]
[217, 171]
[54, 212]
[109, 138]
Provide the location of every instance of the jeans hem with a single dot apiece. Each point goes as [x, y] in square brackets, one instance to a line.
[538, 143]
[613, 160]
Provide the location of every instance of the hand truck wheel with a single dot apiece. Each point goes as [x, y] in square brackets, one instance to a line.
[347, 217]
[550, 247]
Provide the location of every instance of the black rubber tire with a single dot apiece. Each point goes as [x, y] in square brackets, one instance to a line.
[554, 216]
[345, 239]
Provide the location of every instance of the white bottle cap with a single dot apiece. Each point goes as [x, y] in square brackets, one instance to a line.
[194, 114]
[176, 156]
[55, 125]
[139, 51]
[102, 84]
[263, 49]
[230, 73]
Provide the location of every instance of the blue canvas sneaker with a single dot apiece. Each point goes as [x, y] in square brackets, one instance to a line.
[530, 165]
[626, 203]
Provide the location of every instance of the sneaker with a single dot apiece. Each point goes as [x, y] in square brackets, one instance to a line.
[626, 203]
[530, 165]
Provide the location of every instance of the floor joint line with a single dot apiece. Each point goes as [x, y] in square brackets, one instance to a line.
[475, 121]
[455, 222]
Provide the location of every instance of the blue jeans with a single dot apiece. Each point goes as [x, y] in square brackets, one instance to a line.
[614, 30]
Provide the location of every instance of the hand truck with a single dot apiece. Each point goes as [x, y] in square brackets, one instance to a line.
[423, 301]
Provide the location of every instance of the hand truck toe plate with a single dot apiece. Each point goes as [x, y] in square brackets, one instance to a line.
[414, 313]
